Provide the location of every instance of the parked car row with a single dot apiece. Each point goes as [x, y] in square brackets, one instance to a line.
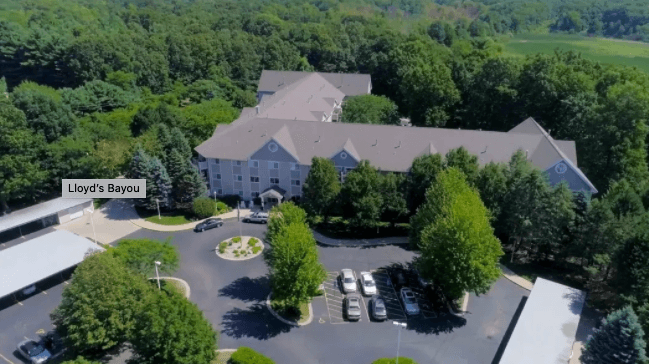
[214, 222]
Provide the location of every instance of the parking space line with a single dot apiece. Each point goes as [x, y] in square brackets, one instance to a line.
[44, 292]
[7, 360]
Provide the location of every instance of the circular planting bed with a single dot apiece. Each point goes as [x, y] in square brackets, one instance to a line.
[239, 248]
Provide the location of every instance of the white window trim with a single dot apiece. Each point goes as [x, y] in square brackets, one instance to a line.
[271, 165]
[251, 177]
[343, 155]
[253, 164]
[218, 176]
[273, 147]
[236, 178]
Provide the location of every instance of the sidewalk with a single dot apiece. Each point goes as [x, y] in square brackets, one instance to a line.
[359, 242]
[158, 227]
[516, 278]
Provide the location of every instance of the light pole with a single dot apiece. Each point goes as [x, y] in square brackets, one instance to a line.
[214, 196]
[157, 203]
[157, 263]
[401, 325]
[92, 222]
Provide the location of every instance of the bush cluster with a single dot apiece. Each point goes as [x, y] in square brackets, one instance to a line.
[222, 247]
[253, 242]
[204, 207]
[245, 355]
[402, 360]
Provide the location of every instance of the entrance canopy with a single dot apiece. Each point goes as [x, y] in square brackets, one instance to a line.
[37, 212]
[34, 260]
[273, 191]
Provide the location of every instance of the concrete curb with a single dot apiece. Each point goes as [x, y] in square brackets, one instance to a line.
[226, 350]
[465, 304]
[522, 282]
[359, 242]
[277, 316]
[140, 222]
[184, 283]
[241, 259]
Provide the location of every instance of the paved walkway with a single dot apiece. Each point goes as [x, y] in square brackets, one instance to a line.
[359, 242]
[516, 278]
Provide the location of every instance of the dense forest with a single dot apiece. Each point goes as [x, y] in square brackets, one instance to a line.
[86, 82]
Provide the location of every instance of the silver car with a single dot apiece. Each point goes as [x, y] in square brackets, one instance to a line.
[353, 307]
[348, 281]
[260, 217]
[409, 301]
[368, 286]
[35, 352]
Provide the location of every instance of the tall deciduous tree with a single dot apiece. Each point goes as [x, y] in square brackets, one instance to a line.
[283, 215]
[461, 159]
[139, 255]
[100, 306]
[423, 172]
[393, 189]
[21, 152]
[458, 247]
[321, 187]
[619, 340]
[492, 185]
[172, 330]
[370, 109]
[295, 272]
[361, 196]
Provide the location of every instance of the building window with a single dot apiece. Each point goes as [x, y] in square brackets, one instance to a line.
[272, 147]
[254, 179]
[238, 177]
[561, 168]
[219, 191]
[217, 161]
[294, 167]
[273, 165]
[295, 182]
[240, 193]
[201, 158]
[347, 169]
[218, 176]
[274, 180]
[343, 155]
[254, 194]
[253, 164]
[237, 163]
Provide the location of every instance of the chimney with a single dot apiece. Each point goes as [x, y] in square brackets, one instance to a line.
[527, 152]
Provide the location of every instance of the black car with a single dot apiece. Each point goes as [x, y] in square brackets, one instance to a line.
[377, 308]
[209, 224]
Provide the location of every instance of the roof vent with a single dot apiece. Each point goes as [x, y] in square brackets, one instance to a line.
[263, 135]
[527, 152]
[318, 141]
[485, 150]
[376, 143]
[257, 108]
[398, 146]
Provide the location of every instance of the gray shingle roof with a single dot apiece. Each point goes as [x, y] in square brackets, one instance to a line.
[350, 84]
[390, 148]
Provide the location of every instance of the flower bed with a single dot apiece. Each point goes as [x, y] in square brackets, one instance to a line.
[240, 248]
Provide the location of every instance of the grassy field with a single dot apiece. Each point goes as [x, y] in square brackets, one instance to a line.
[169, 219]
[613, 51]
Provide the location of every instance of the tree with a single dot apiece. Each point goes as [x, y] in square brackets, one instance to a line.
[204, 207]
[140, 255]
[245, 355]
[80, 360]
[393, 190]
[172, 330]
[619, 340]
[283, 215]
[158, 186]
[633, 264]
[321, 187]
[295, 272]
[458, 247]
[423, 172]
[96, 96]
[361, 196]
[21, 153]
[370, 109]
[148, 116]
[100, 306]
[492, 185]
[467, 163]
[186, 181]
[44, 110]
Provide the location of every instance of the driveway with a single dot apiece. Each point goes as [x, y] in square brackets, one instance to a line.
[232, 295]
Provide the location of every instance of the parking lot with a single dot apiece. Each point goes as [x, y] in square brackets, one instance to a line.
[383, 278]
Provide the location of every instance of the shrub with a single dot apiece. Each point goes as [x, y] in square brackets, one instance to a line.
[236, 239]
[204, 207]
[230, 243]
[236, 251]
[222, 247]
[402, 360]
[253, 241]
[231, 200]
[221, 207]
[255, 249]
[245, 355]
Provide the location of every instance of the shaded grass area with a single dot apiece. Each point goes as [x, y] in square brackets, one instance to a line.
[339, 228]
[98, 202]
[223, 357]
[291, 313]
[604, 50]
[177, 217]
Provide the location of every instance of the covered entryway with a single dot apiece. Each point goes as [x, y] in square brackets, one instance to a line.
[271, 196]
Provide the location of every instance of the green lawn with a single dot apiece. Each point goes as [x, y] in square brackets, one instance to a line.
[98, 202]
[288, 313]
[169, 219]
[604, 50]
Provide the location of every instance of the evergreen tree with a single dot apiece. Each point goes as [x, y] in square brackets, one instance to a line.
[158, 186]
[180, 143]
[185, 179]
[619, 340]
